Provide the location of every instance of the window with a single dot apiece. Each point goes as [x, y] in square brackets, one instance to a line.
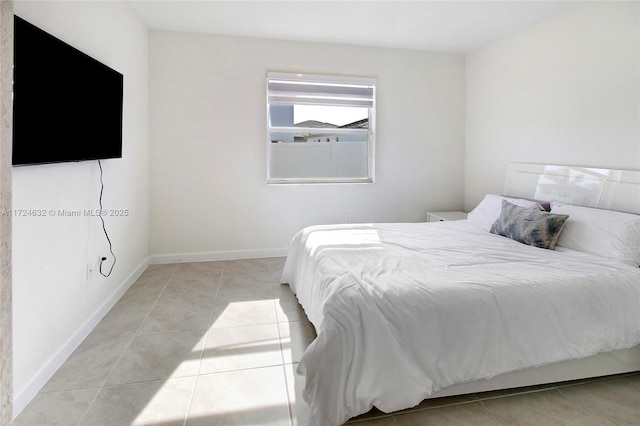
[320, 128]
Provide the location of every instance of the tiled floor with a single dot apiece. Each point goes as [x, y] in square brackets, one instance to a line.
[217, 343]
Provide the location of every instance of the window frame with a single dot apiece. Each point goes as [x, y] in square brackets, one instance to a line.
[369, 139]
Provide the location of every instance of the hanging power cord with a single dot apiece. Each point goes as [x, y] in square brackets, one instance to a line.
[104, 228]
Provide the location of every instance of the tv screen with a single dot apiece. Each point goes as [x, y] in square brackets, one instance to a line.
[66, 105]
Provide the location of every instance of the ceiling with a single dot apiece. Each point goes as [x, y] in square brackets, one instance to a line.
[439, 26]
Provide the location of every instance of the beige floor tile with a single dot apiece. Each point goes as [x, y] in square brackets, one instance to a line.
[257, 269]
[276, 264]
[144, 295]
[538, 408]
[295, 337]
[159, 356]
[283, 291]
[176, 317]
[383, 421]
[287, 306]
[88, 366]
[634, 378]
[121, 321]
[243, 397]
[235, 348]
[151, 403]
[210, 271]
[247, 312]
[295, 386]
[193, 292]
[243, 289]
[56, 408]
[289, 313]
[607, 402]
[156, 273]
[470, 414]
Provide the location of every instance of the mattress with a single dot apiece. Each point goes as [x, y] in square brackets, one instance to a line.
[403, 310]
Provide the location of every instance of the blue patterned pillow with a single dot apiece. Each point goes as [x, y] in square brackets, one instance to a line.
[529, 225]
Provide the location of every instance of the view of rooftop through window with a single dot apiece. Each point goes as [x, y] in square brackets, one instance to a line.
[333, 116]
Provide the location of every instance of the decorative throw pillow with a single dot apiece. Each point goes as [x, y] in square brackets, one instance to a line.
[486, 213]
[529, 225]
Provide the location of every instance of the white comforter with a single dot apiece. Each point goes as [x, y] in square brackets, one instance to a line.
[402, 310]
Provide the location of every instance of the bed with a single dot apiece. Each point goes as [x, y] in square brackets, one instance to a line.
[405, 312]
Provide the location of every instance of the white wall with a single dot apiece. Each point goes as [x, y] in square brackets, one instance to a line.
[54, 305]
[208, 141]
[565, 91]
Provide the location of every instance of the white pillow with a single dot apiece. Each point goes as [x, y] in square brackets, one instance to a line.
[488, 211]
[606, 233]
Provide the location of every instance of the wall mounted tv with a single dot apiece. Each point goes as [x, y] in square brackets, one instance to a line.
[66, 105]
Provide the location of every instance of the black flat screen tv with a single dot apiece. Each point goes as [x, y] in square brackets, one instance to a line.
[67, 106]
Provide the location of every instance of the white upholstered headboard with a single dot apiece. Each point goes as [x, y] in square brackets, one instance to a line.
[586, 186]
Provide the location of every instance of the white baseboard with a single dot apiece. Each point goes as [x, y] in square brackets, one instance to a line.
[216, 255]
[23, 396]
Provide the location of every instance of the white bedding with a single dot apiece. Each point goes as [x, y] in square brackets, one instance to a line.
[402, 310]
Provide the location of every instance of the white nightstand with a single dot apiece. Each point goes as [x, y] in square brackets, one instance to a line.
[444, 216]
